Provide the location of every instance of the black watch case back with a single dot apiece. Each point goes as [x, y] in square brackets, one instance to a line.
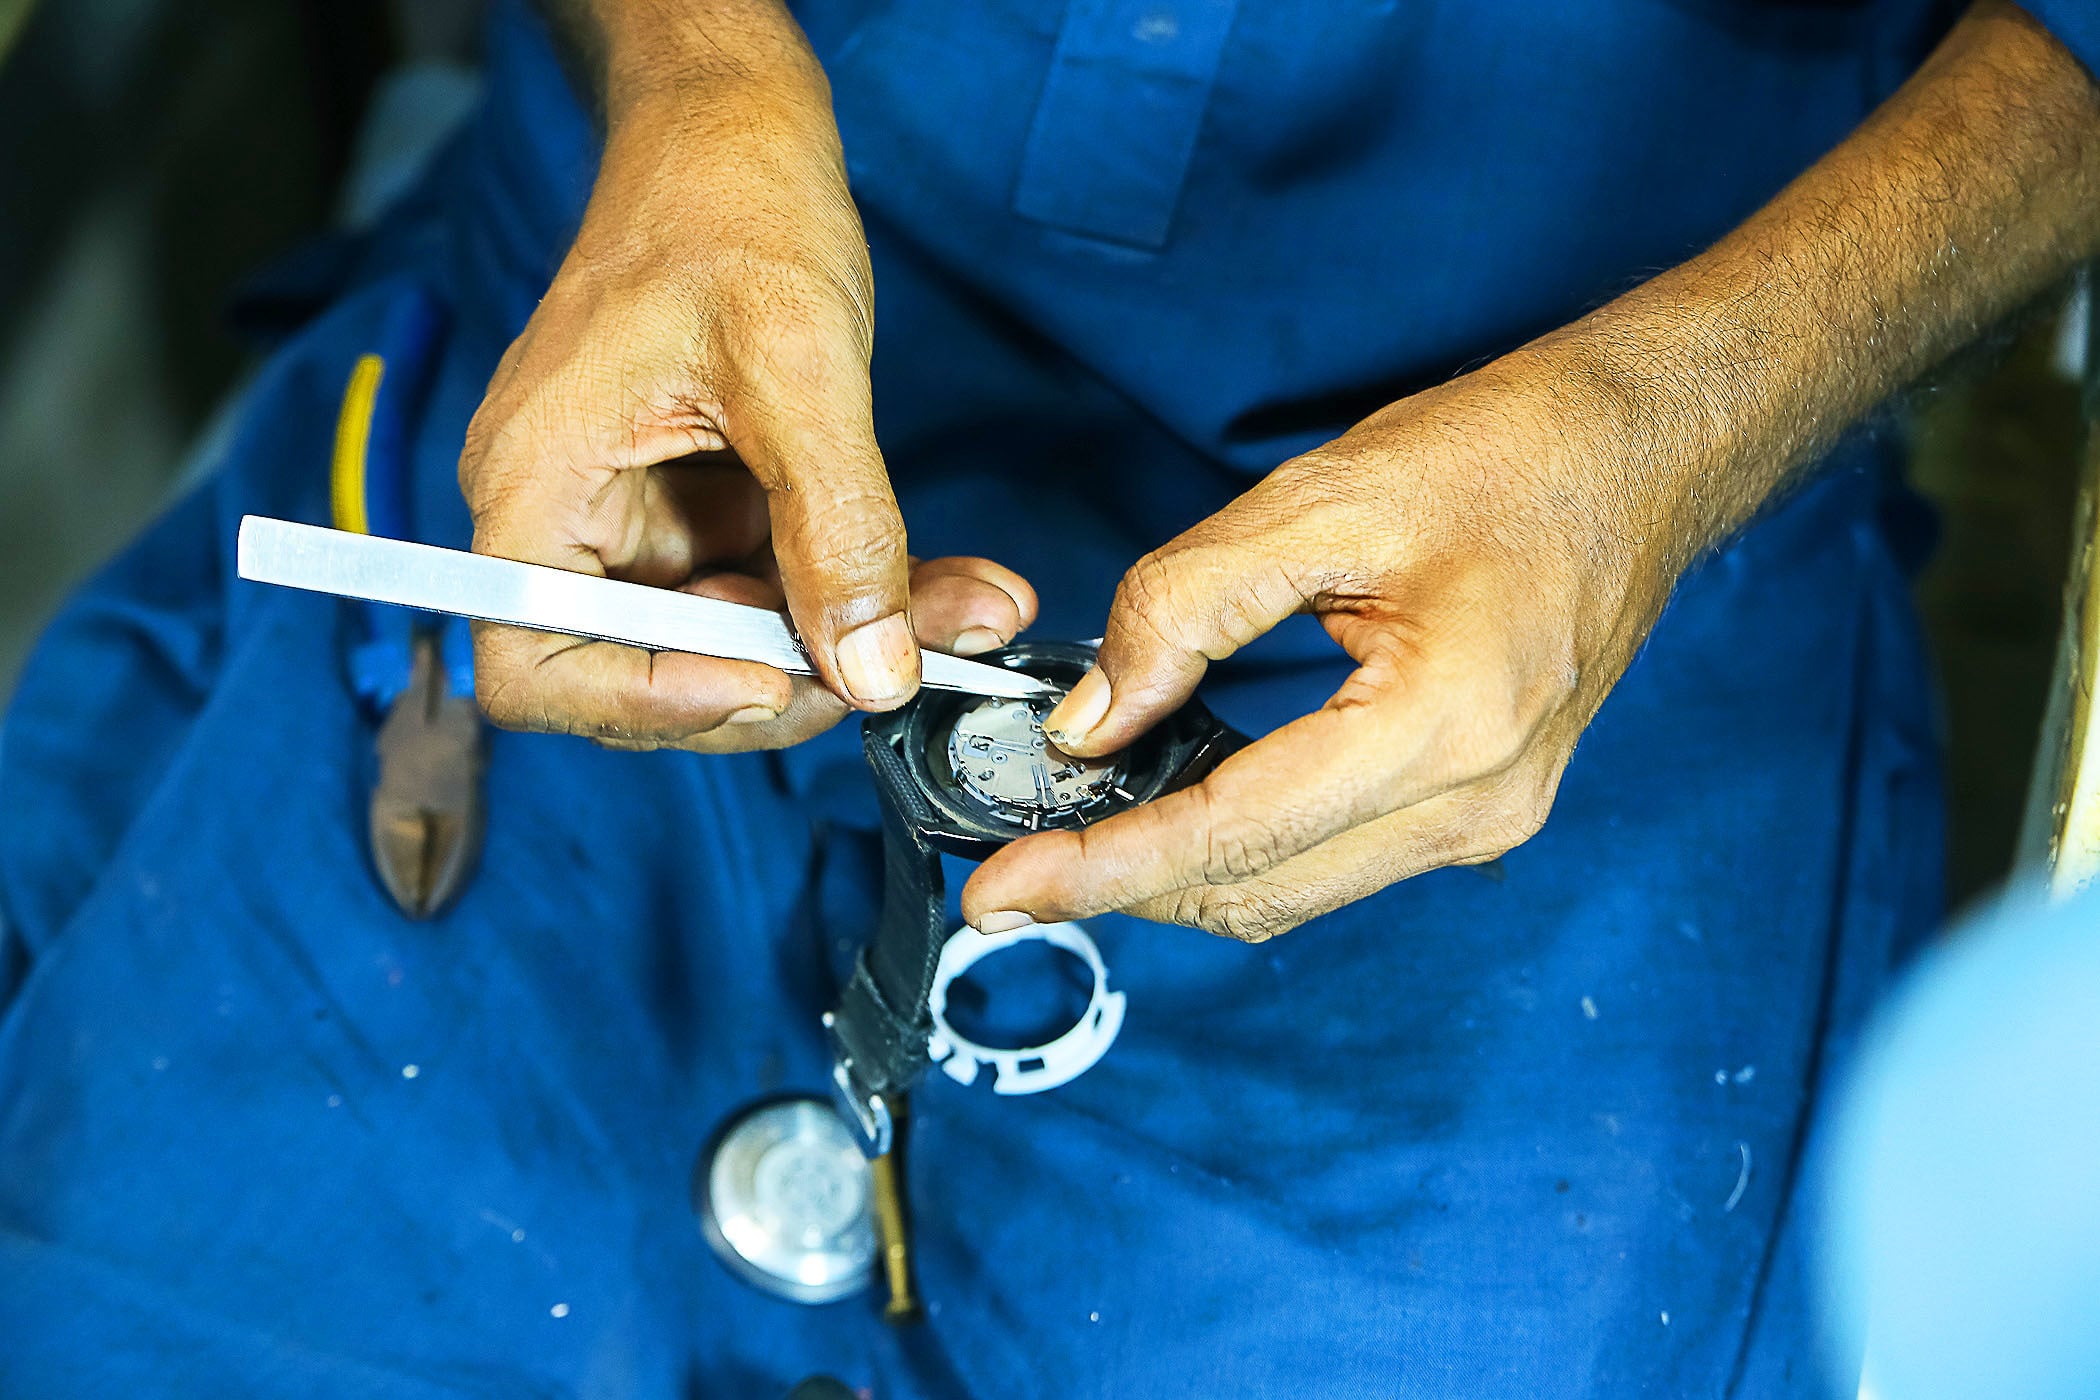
[980, 772]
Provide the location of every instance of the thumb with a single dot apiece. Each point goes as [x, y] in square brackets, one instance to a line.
[1198, 600]
[837, 536]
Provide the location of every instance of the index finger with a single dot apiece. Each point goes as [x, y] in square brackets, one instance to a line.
[558, 684]
[1332, 770]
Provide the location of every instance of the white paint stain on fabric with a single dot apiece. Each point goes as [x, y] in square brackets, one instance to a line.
[1589, 1009]
[1742, 1179]
[411, 1071]
[558, 1310]
[504, 1223]
[1156, 28]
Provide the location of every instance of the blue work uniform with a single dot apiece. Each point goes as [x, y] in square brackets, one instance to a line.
[1529, 1132]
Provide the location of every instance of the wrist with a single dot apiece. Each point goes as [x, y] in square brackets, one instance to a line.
[720, 53]
[712, 163]
[1595, 445]
[1674, 423]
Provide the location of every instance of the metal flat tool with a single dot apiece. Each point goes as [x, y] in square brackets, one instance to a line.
[555, 600]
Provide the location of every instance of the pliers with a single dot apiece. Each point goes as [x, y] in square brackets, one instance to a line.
[412, 672]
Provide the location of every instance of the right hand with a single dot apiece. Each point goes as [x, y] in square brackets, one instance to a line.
[689, 407]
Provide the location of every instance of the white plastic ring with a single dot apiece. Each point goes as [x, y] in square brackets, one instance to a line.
[1029, 1069]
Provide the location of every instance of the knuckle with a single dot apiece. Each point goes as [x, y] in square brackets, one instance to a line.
[495, 501]
[474, 451]
[497, 406]
[1147, 590]
[1239, 850]
[506, 490]
[1536, 805]
[853, 534]
[1150, 612]
[1246, 916]
[504, 700]
[1502, 710]
[1514, 824]
[1494, 734]
[1252, 921]
[481, 456]
[1213, 592]
[1532, 820]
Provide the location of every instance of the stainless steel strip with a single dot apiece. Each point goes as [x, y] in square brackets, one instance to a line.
[554, 600]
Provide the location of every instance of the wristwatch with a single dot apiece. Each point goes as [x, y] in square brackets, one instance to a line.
[965, 775]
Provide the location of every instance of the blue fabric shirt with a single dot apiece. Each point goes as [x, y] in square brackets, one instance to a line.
[1530, 1131]
[1261, 221]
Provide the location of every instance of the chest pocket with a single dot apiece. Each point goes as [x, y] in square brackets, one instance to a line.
[1109, 148]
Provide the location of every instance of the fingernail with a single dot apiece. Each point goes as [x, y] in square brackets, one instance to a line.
[876, 660]
[973, 640]
[1076, 715]
[753, 714]
[1002, 921]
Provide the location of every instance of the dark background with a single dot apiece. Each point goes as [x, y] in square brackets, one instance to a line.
[151, 155]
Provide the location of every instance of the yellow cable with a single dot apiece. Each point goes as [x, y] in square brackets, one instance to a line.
[353, 440]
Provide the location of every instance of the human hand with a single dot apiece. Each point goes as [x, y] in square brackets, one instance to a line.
[689, 408]
[1492, 552]
[1490, 573]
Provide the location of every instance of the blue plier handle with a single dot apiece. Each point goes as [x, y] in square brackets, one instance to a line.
[413, 672]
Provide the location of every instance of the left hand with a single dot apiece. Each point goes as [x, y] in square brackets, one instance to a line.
[1488, 553]
[690, 407]
[705, 529]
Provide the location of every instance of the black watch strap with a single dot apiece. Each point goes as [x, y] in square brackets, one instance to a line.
[880, 1029]
[881, 1026]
